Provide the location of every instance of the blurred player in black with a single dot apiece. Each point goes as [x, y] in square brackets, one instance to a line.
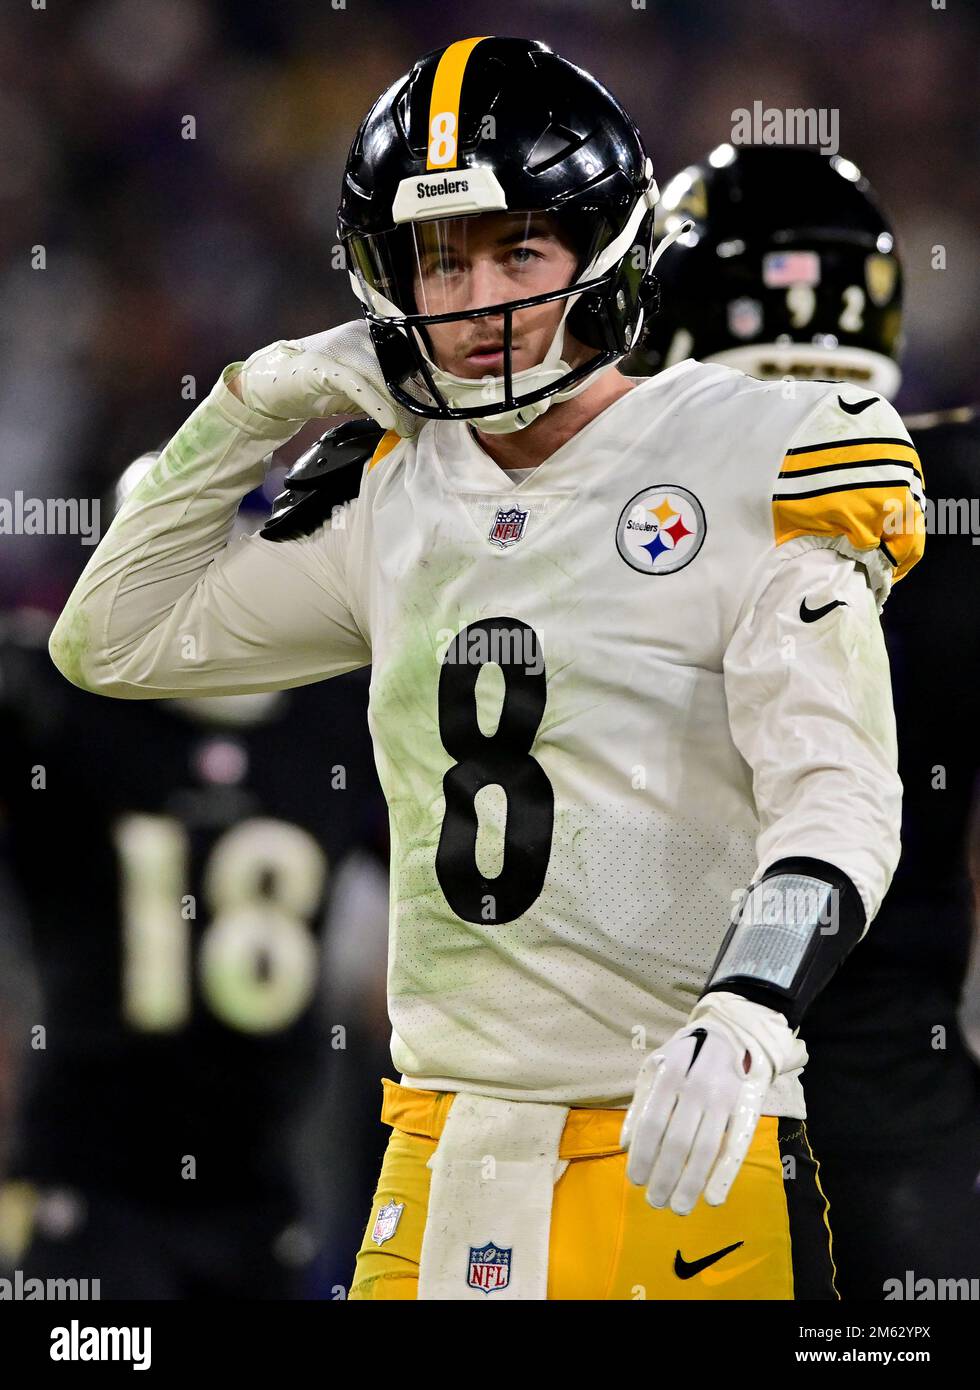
[173, 859]
[790, 271]
[347, 1133]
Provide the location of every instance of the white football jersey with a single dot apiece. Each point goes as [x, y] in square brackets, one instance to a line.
[602, 700]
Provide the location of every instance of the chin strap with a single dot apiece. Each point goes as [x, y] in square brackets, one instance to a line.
[669, 240]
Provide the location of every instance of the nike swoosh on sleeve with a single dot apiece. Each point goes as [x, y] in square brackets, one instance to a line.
[857, 407]
[810, 615]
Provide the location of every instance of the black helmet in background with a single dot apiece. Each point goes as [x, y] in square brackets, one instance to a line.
[790, 270]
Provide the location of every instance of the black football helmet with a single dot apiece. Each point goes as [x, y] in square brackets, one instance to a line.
[503, 126]
[790, 270]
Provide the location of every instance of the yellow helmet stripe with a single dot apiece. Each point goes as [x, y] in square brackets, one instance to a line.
[444, 104]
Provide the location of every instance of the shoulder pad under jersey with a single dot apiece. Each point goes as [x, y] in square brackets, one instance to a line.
[324, 477]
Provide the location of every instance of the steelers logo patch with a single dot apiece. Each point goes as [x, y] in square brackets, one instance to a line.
[661, 529]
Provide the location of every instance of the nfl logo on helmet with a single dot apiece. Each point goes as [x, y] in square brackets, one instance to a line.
[489, 1267]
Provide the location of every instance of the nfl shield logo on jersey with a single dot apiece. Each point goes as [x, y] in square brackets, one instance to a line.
[387, 1222]
[508, 526]
[489, 1267]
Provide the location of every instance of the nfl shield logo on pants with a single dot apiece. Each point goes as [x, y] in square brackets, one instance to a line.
[489, 1268]
[387, 1222]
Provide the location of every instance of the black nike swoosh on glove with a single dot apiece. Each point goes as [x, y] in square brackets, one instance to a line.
[857, 407]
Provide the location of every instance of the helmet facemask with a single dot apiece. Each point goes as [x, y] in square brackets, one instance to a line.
[493, 316]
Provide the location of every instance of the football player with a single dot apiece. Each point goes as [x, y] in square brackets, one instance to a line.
[177, 941]
[791, 268]
[629, 698]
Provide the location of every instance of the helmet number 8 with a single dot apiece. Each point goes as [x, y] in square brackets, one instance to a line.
[257, 957]
[442, 138]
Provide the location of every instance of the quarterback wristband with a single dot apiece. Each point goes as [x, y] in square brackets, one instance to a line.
[791, 931]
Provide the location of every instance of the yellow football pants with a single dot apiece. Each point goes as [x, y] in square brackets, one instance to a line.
[769, 1240]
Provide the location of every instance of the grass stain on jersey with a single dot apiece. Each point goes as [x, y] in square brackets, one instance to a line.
[70, 643]
[198, 436]
[438, 953]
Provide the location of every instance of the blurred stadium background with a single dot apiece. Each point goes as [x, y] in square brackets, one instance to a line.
[168, 257]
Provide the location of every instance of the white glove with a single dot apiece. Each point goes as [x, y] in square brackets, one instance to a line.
[695, 1109]
[330, 373]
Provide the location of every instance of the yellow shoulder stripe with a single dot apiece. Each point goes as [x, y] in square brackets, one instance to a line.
[869, 491]
[385, 445]
[882, 517]
[863, 451]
